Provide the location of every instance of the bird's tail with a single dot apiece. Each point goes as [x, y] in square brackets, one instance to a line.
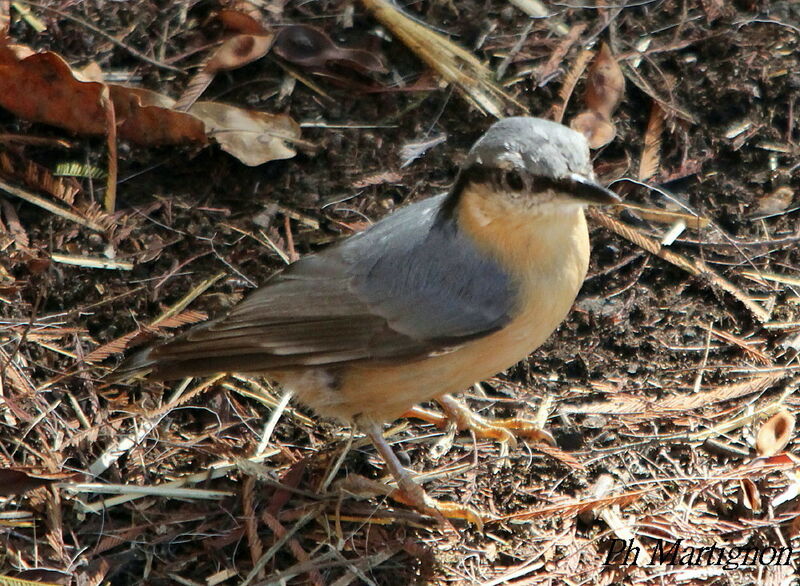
[139, 365]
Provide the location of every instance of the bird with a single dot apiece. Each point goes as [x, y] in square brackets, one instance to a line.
[434, 297]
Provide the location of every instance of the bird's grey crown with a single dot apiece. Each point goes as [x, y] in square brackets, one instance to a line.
[537, 146]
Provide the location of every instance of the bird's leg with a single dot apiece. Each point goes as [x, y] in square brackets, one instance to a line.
[502, 430]
[412, 493]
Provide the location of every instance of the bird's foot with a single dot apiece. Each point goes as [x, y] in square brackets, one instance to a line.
[503, 430]
[411, 493]
[441, 510]
[414, 496]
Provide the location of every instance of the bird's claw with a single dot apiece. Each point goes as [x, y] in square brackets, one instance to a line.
[502, 430]
[441, 510]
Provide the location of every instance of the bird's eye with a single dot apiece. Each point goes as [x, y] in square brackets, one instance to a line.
[514, 180]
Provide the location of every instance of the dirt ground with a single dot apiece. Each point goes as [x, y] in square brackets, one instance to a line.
[656, 388]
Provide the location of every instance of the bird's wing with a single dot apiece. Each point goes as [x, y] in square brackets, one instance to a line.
[405, 288]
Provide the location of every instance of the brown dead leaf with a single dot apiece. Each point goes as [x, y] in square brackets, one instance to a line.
[148, 118]
[37, 177]
[605, 86]
[310, 47]
[252, 137]
[238, 51]
[238, 21]
[544, 73]
[557, 453]
[235, 52]
[115, 346]
[19, 51]
[41, 87]
[91, 72]
[123, 343]
[750, 496]
[251, 42]
[605, 83]
[570, 81]
[378, 179]
[597, 130]
[775, 433]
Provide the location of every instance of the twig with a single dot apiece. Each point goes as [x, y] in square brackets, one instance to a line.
[162, 491]
[188, 298]
[694, 267]
[214, 471]
[49, 206]
[91, 262]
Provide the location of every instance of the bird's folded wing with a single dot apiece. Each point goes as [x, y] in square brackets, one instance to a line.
[426, 293]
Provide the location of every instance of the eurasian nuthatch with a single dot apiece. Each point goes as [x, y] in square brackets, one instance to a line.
[433, 298]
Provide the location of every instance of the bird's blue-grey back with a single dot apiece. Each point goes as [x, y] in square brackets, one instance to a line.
[427, 278]
[408, 286]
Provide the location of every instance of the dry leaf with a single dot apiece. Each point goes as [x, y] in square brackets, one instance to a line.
[42, 88]
[235, 52]
[605, 83]
[91, 72]
[251, 42]
[570, 81]
[773, 203]
[750, 496]
[651, 154]
[238, 51]
[310, 47]
[252, 137]
[378, 179]
[147, 118]
[572, 507]
[37, 177]
[544, 73]
[240, 22]
[597, 130]
[775, 433]
[122, 343]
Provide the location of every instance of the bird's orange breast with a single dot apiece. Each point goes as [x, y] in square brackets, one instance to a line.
[547, 255]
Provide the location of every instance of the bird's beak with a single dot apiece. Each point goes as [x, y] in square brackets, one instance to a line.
[588, 191]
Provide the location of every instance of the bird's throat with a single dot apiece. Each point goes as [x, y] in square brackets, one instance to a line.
[531, 241]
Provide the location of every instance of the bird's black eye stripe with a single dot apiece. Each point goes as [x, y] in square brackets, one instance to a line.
[478, 174]
[510, 179]
[513, 180]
